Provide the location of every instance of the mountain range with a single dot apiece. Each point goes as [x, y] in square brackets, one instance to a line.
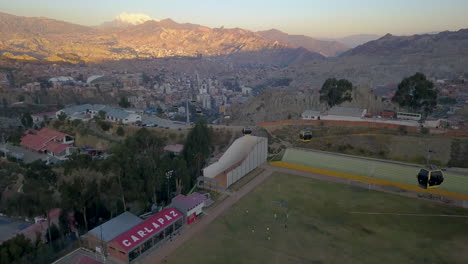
[132, 37]
[325, 48]
[51, 40]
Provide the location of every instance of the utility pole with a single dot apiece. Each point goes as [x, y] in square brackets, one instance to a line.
[428, 158]
[187, 111]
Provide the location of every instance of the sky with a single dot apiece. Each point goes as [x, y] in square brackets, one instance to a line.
[316, 18]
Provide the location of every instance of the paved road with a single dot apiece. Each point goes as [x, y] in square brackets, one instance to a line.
[29, 155]
[159, 255]
[162, 123]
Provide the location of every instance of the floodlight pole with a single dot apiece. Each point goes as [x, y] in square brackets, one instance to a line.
[168, 177]
[428, 157]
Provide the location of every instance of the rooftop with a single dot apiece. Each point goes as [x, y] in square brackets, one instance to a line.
[346, 111]
[79, 256]
[239, 149]
[141, 232]
[311, 113]
[190, 201]
[116, 226]
[43, 140]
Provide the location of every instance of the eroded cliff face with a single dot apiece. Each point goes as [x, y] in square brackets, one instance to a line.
[278, 105]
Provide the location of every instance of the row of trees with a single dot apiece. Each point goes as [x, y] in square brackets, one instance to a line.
[134, 177]
[415, 93]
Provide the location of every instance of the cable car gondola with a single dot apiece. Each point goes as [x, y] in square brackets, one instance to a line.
[430, 177]
[305, 135]
[247, 131]
[199, 111]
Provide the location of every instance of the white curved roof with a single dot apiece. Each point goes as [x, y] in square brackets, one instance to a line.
[239, 150]
[93, 77]
[61, 79]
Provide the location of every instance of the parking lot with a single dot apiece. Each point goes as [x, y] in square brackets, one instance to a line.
[29, 155]
[154, 121]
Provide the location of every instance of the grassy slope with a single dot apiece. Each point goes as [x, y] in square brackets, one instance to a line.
[321, 229]
[392, 172]
[380, 143]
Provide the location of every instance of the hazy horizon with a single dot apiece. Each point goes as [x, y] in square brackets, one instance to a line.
[319, 18]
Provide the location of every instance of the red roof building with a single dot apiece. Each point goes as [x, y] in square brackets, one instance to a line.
[131, 244]
[49, 141]
[387, 114]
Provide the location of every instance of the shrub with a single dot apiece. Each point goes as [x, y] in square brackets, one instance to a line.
[120, 131]
[104, 125]
[424, 130]
[403, 130]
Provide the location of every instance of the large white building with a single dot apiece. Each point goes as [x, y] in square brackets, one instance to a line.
[244, 155]
[310, 115]
[112, 114]
[344, 113]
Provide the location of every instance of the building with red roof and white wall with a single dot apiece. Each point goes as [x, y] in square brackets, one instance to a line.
[138, 237]
[192, 205]
[51, 142]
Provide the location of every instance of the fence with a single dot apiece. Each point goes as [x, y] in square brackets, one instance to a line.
[452, 133]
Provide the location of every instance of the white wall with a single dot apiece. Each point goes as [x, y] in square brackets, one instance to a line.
[197, 210]
[257, 156]
[343, 118]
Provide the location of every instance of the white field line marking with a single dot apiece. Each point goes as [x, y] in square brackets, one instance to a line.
[435, 215]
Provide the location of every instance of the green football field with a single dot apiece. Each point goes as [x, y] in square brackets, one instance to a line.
[371, 168]
[323, 228]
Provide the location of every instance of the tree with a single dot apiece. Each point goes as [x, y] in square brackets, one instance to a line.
[120, 131]
[105, 126]
[62, 117]
[197, 149]
[101, 115]
[182, 176]
[335, 92]
[138, 162]
[26, 120]
[124, 103]
[416, 93]
[80, 195]
[40, 181]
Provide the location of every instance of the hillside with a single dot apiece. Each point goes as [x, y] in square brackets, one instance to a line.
[443, 44]
[326, 48]
[17, 27]
[51, 40]
[274, 105]
[356, 40]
